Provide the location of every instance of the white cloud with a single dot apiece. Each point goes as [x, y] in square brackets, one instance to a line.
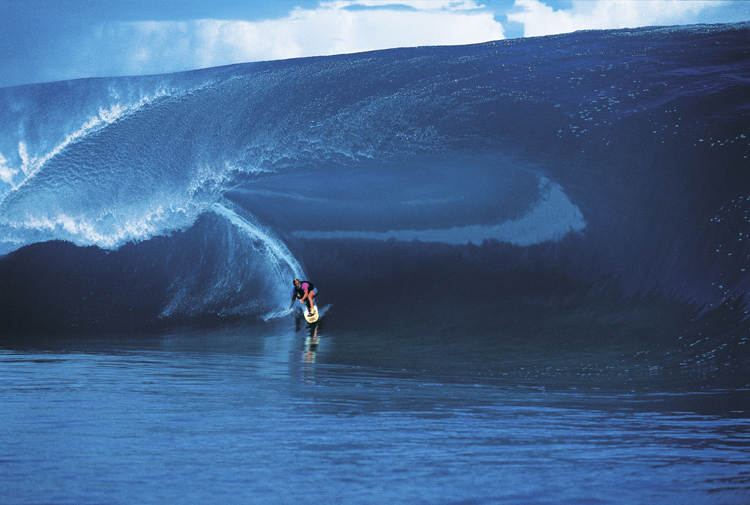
[540, 19]
[332, 28]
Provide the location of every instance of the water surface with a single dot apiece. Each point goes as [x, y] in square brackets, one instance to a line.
[241, 416]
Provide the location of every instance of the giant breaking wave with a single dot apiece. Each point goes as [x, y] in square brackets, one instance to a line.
[598, 181]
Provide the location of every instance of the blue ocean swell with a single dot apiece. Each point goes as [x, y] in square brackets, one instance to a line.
[639, 136]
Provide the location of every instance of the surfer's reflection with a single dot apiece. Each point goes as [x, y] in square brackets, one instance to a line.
[308, 355]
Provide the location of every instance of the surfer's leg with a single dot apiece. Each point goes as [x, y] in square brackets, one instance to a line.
[311, 301]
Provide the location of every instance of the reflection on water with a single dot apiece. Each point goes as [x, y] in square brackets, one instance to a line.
[308, 353]
[249, 415]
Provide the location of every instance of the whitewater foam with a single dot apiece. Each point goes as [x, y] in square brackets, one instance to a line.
[31, 164]
[551, 218]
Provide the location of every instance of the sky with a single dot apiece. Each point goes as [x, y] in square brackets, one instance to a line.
[52, 40]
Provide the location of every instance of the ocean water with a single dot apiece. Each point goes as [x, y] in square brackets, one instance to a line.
[531, 258]
[233, 416]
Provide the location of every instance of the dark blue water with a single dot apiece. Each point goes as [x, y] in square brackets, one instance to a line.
[234, 416]
[531, 255]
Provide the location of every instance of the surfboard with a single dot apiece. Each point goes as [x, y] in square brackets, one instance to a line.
[308, 317]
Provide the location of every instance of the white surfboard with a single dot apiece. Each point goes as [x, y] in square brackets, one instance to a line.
[310, 318]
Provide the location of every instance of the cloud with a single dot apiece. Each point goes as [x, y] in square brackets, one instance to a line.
[340, 26]
[540, 19]
[331, 28]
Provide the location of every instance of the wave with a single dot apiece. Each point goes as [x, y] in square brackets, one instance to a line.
[550, 219]
[226, 265]
[553, 169]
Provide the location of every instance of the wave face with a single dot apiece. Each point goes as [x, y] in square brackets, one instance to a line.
[589, 176]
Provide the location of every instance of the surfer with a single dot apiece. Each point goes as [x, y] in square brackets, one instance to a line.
[305, 292]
